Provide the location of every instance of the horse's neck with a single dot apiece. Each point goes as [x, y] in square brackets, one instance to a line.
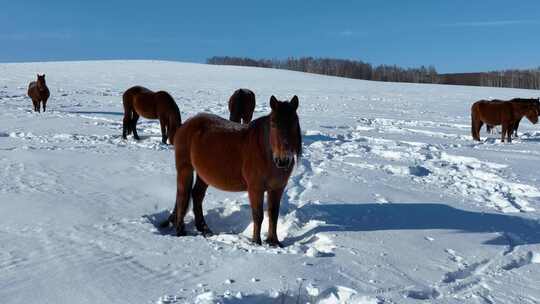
[520, 110]
[259, 132]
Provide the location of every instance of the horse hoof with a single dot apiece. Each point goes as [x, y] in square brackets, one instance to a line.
[274, 243]
[181, 233]
[204, 230]
[257, 241]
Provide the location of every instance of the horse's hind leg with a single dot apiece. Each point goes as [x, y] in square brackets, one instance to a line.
[506, 129]
[476, 125]
[198, 192]
[133, 124]
[274, 200]
[184, 182]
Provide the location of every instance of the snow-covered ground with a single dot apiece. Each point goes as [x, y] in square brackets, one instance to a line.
[392, 202]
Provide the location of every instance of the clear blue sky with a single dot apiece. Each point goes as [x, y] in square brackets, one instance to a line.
[453, 36]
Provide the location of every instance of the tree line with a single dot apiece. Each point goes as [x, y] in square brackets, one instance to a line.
[337, 67]
[356, 69]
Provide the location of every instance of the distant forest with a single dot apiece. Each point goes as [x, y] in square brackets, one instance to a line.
[526, 79]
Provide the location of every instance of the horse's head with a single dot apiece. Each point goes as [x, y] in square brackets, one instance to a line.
[285, 135]
[41, 82]
[532, 113]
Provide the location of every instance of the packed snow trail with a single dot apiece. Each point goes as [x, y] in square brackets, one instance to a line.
[392, 201]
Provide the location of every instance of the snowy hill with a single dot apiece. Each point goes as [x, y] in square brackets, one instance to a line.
[392, 202]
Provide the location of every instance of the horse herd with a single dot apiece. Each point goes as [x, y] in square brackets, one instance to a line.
[254, 156]
[232, 155]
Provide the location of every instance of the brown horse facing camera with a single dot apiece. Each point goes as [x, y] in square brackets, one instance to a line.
[257, 158]
[515, 127]
[241, 106]
[502, 113]
[39, 93]
[140, 101]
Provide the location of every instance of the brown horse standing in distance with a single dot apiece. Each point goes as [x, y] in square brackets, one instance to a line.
[502, 113]
[39, 93]
[140, 101]
[242, 105]
[515, 127]
[258, 157]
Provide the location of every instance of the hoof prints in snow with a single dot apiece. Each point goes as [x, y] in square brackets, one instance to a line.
[342, 219]
[528, 258]
[427, 164]
[464, 273]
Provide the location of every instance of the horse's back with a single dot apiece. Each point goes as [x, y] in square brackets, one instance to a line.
[165, 101]
[492, 112]
[242, 99]
[214, 147]
[205, 124]
[133, 91]
[141, 100]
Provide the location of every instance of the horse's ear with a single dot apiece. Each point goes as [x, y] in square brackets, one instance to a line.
[294, 102]
[273, 103]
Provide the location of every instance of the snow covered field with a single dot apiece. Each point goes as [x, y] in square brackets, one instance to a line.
[392, 202]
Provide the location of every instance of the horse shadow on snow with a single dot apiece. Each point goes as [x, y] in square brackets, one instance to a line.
[358, 217]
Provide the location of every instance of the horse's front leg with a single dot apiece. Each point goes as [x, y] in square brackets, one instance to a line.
[256, 198]
[505, 128]
[509, 132]
[36, 105]
[274, 201]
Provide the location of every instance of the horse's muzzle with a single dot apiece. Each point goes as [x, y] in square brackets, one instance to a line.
[283, 162]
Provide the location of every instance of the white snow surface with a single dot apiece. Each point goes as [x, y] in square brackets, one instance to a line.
[392, 201]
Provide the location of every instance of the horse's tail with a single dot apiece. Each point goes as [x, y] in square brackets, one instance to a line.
[174, 122]
[475, 130]
[128, 111]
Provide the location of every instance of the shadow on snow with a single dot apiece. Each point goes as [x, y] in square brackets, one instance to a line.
[378, 217]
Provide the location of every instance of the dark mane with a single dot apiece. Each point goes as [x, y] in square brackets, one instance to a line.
[299, 141]
[525, 100]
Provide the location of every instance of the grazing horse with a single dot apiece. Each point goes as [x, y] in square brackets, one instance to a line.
[242, 105]
[515, 127]
[258, 157]
[140, 101]
[39, 93]
[503, 113]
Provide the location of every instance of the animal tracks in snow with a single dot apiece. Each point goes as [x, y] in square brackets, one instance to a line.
[426, 164]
